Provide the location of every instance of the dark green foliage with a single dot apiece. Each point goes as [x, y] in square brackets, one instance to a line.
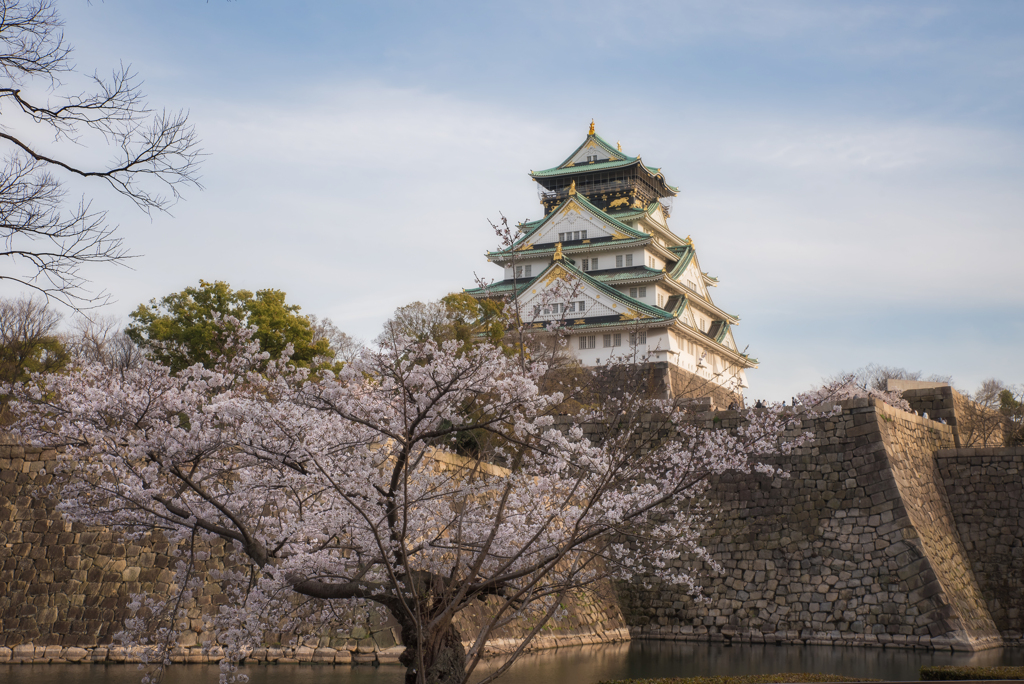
[952, 672]
[1013, 408]
[180, 329]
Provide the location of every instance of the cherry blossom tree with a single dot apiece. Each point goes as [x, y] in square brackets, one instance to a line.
[337, 490]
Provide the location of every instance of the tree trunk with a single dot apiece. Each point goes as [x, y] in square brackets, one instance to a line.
[445, 662]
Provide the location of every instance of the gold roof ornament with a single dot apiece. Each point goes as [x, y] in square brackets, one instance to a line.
[572, 188]
[688, 241]
[591, 127]
[558, 252]
[619, 145]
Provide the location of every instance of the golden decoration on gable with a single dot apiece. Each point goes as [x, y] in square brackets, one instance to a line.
[558, 252]
[579, 321]
[556, 273]
[591, 127]
[572, 207]
[572, 188]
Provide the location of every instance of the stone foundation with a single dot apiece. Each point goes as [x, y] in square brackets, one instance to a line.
[859, 546]
[883, 535]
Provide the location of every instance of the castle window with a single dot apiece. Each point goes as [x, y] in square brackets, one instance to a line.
[561, 237]
[632, 292]
[586, 264]
[650, 262]
[643, 292]
[528, 269]
[618, 261]
[629, 259]
[593, 264]
[591, 158]
[576, 235]
[661, 300]
[588, 341]
[583, 235]
[638, 338]
[519, 271]
[580, 305]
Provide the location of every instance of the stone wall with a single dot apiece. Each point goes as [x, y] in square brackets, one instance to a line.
[985, 489]
[973, 425]
[872, 540]
[64, 591]
[858, 546]
[676, 382]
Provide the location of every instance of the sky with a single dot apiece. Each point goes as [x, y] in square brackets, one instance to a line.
[852, 172]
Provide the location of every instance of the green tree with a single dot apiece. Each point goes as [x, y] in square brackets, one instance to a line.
[29, 343]
[180, 329]
[1011, 405]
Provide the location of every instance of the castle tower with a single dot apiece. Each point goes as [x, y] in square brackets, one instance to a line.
[604, 265]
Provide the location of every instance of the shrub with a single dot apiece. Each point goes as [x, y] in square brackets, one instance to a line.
[952, 672]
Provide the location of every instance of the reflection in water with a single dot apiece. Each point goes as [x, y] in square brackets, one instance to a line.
[579, 665]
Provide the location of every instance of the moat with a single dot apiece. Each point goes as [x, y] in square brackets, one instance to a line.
[576, 665]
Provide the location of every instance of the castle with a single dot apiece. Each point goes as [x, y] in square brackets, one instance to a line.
[603, 265]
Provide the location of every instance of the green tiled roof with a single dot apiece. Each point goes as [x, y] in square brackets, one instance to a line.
[685, 253]
[652, 311]
[625, 274]
[568, 250]
[627, 214]
[595, 166]
[613, 153]
[722, 332]
[616, 160]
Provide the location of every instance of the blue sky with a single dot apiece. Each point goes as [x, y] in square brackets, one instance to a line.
[852, 172]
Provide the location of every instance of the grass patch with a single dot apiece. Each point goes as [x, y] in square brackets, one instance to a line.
[781, 678]
[947, 672]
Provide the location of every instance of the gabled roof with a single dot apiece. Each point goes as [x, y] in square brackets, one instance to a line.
[533, 226]
[613, 153]
[685, 254]
[616, 159]
[651, 314]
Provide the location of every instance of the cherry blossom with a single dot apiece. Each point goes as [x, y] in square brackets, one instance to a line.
[339, 493]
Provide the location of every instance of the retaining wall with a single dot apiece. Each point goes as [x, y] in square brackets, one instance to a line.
[985, 488]
[873, 540]
[973, 425]
[64, 591]
[859, 546]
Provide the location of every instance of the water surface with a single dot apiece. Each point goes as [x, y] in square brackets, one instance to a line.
[577, 665]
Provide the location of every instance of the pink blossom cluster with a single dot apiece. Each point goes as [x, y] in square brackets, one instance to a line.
[331, 493]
